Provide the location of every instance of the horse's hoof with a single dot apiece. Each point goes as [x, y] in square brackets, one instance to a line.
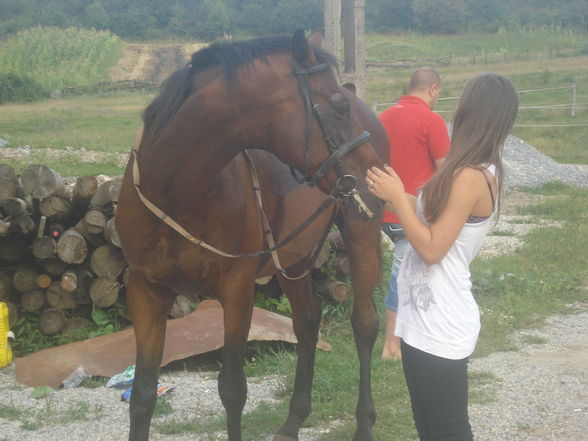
[278, 437]
[363, 437]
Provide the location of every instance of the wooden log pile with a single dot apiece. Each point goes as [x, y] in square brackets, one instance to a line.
[60, 255]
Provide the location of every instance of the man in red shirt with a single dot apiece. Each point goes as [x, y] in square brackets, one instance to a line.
[419, 143]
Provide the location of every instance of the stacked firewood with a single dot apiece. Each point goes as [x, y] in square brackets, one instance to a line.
[60, 255]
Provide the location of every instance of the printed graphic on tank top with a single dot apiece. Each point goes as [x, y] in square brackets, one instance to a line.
[419, 294]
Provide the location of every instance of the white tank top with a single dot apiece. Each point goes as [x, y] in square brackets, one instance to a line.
[437, 312]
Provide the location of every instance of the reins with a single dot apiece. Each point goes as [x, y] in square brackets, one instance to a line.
[273, 247]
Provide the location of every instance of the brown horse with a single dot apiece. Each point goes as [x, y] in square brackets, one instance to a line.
[195, 208]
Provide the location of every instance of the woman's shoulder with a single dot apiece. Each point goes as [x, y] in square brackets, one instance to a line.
[472, 177]
[473, 171]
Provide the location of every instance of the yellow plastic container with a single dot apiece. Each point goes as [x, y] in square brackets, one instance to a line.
[5, 350]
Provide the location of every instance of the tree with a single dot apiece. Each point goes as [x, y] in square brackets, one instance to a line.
[288, 16]
[386, 15]
[485, 16]
[208, 19]
[96, 16]
[440, 16]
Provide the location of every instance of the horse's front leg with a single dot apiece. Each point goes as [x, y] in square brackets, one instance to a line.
[362, 241]
[306, 316]
[149, 306]
[236, 296]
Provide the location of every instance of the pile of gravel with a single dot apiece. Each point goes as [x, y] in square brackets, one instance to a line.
[525, 167]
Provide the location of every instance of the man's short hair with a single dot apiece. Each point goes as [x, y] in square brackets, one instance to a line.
[423, 78]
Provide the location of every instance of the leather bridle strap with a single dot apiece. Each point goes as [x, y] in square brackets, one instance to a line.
[269, 237]
[313, 111]
[336, 156]
[177, 227]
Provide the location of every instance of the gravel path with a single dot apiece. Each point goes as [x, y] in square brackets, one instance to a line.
[541, 392]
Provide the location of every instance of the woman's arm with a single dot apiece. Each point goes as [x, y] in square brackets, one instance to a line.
[433, 241]
[389, 207]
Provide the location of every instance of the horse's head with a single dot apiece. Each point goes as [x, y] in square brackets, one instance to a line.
[331, 147]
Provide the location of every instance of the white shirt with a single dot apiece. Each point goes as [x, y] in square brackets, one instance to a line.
[437, 312]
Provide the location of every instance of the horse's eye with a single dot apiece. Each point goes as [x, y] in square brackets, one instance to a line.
[339, 103]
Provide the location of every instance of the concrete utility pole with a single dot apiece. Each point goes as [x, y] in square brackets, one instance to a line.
[351, 14]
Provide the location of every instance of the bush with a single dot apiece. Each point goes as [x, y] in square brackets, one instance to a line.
[19, 88]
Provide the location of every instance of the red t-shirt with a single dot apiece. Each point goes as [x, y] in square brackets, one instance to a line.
[418, 136]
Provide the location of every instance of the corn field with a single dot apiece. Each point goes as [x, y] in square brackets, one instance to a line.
[55, 58]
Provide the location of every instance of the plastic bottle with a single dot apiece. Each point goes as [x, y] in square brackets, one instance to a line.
[75, 378]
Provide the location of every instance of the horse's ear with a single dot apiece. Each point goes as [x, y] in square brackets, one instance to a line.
[351, 87]
[301, 51]
[316, 38]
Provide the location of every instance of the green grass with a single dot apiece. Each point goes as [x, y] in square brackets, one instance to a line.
[35, 419]
[534, 339]
[497, 47]
[100, 123]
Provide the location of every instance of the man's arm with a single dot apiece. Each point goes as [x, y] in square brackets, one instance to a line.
[439, 163]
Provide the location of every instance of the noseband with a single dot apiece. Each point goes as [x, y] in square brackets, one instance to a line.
[346, 183]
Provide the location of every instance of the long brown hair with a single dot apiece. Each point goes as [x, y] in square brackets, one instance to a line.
[484, 116]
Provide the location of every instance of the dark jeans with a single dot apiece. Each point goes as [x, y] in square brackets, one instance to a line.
[438, 390]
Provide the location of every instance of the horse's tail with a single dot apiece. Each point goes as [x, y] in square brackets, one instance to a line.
[172, 94]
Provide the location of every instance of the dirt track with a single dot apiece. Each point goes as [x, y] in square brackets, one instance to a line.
[151, 62]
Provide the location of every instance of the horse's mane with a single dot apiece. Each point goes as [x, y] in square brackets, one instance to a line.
[229, 57]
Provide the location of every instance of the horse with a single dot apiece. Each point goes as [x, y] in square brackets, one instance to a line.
[247, 156]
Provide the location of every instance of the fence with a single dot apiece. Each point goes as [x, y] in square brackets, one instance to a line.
[125, 85]
[572, 105]
[482, 57]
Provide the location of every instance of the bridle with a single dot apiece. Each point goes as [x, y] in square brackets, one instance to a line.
[346, 183]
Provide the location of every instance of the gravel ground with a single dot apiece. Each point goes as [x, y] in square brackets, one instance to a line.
[542, 389]
[540, 392]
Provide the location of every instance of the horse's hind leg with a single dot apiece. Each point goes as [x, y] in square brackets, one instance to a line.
[362, 241]
[149, 306]
[306, 316]
[236, 296]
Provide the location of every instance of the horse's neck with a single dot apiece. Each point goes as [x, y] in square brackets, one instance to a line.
[213, 125]
[188, 158]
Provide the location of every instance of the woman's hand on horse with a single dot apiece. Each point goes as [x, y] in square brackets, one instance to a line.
[385, 184]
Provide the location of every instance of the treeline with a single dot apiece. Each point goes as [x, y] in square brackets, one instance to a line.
[147, 19]
[211, 19]
[475, 16]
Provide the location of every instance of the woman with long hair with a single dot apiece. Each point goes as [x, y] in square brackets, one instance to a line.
[438, 319]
